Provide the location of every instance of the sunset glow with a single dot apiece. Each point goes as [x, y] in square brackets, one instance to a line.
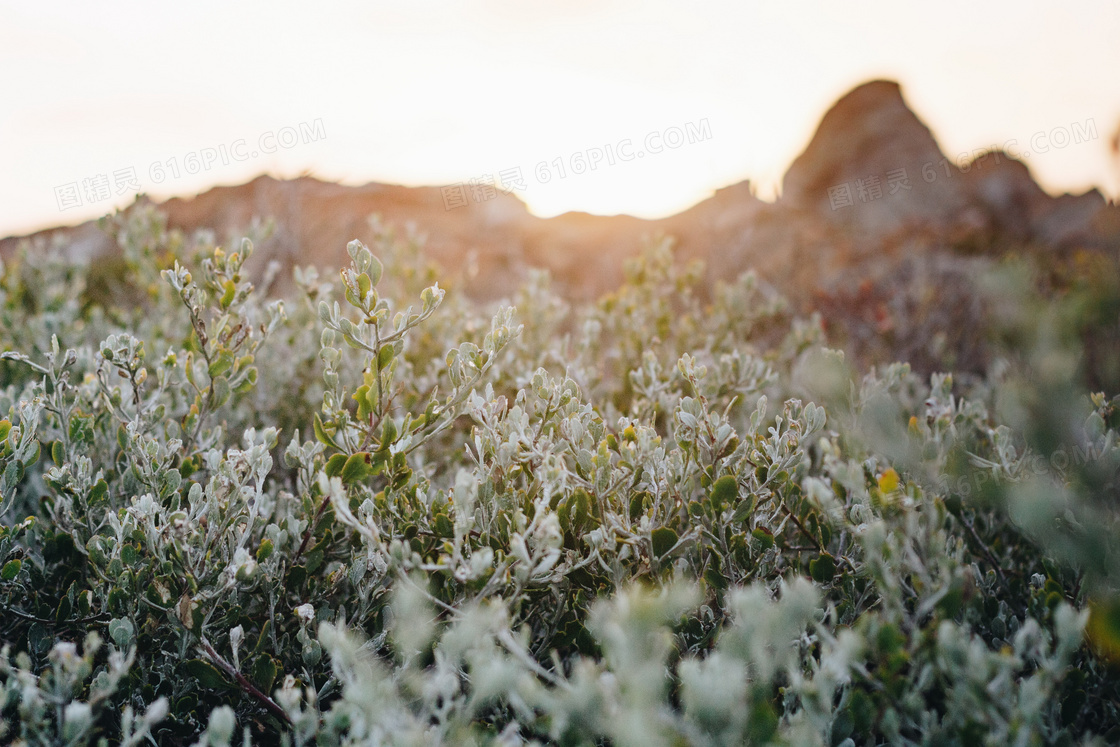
[435, 93]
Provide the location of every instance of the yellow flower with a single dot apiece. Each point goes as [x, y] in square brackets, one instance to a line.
[888, 481]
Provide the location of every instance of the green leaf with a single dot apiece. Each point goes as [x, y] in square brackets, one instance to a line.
[158, 595]
[822, 568]
[170, 482]
[33, 459]
[663, 539]
[206, 674]
[263, 639]
[1104, 627]
[388, 434]
[263, 673]
[247, 382]
[580, 508]
[322, 435]
[951, 603]
[121, 631]
[315, 557]
[365, 407]
[98, 492]
[62, 614]
[335, 465]
[58, 548]
[227, 297]
[743, 512]
[763, 722]
[221, 391]
[39, 639]
[724, 492]
[58, 453]
[129, 555]
[564, 514]
[96, 551]
[221, 364]
[714, 573]
[862, 710]
[80, 429]
[358, 467]
[442, 526]
[764, 537]
[13, 473]
[11, 569]
[265, 550]
[118, 599]
[637, 506]
[385, 357]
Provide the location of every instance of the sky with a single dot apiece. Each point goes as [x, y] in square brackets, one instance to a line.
[99, 101]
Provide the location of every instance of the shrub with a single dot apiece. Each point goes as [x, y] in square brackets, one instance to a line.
[373, 513]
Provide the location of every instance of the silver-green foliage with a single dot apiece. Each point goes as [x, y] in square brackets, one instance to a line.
[345, 519]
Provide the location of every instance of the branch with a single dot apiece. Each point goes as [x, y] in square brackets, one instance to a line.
[272, 706]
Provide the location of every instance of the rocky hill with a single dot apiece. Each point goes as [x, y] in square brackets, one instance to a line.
[873, 218]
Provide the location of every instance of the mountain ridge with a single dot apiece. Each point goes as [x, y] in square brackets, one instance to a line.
[871, 189]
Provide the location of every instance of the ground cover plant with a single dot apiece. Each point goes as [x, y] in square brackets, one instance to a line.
[372, 512]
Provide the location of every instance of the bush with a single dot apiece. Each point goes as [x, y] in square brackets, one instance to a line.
[371, 513]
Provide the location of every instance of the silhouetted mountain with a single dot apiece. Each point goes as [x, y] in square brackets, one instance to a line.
[872, 209]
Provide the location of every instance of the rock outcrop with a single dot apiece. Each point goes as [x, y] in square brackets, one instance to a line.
[871, 193]
[875, 169]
